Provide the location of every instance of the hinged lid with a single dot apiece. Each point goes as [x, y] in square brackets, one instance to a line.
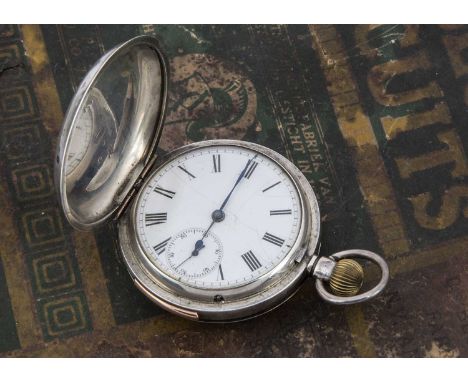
[110, 132]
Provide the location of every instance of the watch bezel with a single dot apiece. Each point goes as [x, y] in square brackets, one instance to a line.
[239, 302]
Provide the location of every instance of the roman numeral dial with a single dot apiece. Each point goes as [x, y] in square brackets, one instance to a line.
[251, 260]
[153, 219]
[250, 169]
[280, 212]
[164, 192]
[220, 272]
[186, 171]
[218, 216]
[273, 239]
[216, 162]
[161, 247]
[270, 187]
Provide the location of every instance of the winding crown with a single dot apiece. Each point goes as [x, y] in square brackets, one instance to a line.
[347, 278]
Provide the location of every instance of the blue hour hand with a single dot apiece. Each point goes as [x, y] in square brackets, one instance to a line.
[198, 245]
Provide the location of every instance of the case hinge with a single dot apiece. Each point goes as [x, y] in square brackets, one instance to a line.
[136, 187]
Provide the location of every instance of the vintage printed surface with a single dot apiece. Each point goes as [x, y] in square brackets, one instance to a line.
[375, 116]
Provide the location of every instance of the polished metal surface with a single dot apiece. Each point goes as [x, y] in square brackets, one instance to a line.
[323, 268]
[110, 132]
[257, 297]
[353, 254]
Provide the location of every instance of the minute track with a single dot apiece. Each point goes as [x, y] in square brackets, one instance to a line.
[225, 199]
[124, 183]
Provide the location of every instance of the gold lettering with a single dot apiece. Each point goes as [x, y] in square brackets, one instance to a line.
[449, 209]
[310, 138]
[380, 75]
[304, 166]
[455, 45]
[394, 126]
[297, 144]
[409, 37]
[292, 129]
[148, 28]
[454, 153]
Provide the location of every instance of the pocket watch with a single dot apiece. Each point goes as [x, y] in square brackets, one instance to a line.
[222, 230]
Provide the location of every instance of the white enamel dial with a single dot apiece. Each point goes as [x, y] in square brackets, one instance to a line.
[218, 216]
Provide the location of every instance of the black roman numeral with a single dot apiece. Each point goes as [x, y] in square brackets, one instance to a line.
[166, 193]
[250, 169]
[221, 274]
[280, 212]
[187, 172]
[273, 239]
[161, 247]
[152, 219]
[251, 261]
[273, 185]
[217, 163]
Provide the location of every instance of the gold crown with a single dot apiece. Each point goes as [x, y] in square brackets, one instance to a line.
[347, 278]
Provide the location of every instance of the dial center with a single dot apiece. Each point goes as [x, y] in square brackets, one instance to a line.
[218, 215]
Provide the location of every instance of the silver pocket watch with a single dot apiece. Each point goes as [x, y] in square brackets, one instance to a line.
[222, 230]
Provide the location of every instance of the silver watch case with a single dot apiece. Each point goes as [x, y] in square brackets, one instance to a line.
[126, 92]
[227, 304]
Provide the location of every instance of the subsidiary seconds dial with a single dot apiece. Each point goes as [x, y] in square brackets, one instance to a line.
[245, 208]
[186, 260]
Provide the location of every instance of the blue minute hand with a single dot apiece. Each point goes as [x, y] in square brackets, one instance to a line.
[237, 182]
[218, 215]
